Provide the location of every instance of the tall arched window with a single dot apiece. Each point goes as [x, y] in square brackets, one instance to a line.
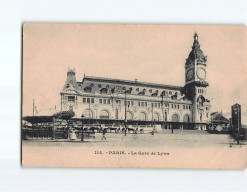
[175, 118]
[104, 114]
[156, 117]
[142, 116]
[186, 118]
[88, 114]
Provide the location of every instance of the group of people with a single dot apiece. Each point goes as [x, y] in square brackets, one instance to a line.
[73, 135]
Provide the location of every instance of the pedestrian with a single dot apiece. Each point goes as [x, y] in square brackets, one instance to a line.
[72, 134]
[82, 136]
[103, 134]
[153, 131]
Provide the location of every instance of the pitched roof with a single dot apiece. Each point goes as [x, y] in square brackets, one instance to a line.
[128, 82]
[219, 118]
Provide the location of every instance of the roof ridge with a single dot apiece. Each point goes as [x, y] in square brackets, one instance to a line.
[131, 81]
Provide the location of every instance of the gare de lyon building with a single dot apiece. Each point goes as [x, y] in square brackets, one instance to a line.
[114, 102]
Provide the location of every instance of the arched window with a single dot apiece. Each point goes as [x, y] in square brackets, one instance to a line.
[175, 118]
[88, 89]
[186, 118]
[142, 116]
[104, 114]
[156, 117]
[88, 114]
[201, 100]
[129, 115]
[103, 90]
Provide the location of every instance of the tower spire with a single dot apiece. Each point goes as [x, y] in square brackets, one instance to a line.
[196, 42]
[195, 36]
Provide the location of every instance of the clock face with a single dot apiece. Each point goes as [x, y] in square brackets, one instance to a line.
[190, 74]
[201, 73]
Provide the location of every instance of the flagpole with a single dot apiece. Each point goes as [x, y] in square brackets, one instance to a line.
[33, 107]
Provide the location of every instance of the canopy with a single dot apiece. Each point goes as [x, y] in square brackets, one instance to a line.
[38, 119]
[64, 115]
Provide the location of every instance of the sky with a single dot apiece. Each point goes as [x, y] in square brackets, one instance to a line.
[149, 53]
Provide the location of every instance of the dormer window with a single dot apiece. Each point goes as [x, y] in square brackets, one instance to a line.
[174, 97]
[88, 89]
[103, 90]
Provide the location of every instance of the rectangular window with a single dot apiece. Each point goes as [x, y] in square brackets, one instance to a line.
[139, 104]
[84, 100]
[88, 100]
[178, 106]
[104, 101]
[132, 103]
[71, 98]
[155, 105]
[146, 104]
[159, 105]
[184, 107]
[92, 100]
[142, 103]
[189, 107]
[152, 104]
[100, 101]
[172, 105]
[108, 101]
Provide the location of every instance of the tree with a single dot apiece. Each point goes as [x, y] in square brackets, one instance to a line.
[65, 115]
[238, 136]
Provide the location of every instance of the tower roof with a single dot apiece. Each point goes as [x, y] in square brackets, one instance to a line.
[196, 52]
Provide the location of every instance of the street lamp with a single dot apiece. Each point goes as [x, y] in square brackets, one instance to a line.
[125, 106]
[125, 110]
[82, 137]
[162, 106]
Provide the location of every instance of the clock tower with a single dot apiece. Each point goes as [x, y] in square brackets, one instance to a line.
[196, 85]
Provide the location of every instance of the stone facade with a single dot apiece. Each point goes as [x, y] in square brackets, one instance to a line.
[104, 99]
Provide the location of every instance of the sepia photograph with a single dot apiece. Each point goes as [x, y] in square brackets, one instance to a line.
[134, 96]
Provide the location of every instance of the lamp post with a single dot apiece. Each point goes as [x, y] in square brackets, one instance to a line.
[125, 110]
[152, 106]
[82, 137]
[89, 111]
[162, 106]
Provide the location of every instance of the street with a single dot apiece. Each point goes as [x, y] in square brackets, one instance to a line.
[180, 139]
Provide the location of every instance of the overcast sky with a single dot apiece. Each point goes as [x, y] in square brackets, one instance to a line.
[150, 53]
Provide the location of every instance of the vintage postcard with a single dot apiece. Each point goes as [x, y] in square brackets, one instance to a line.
[134, 96]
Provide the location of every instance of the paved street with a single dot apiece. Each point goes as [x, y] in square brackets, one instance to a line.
[185, 138]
